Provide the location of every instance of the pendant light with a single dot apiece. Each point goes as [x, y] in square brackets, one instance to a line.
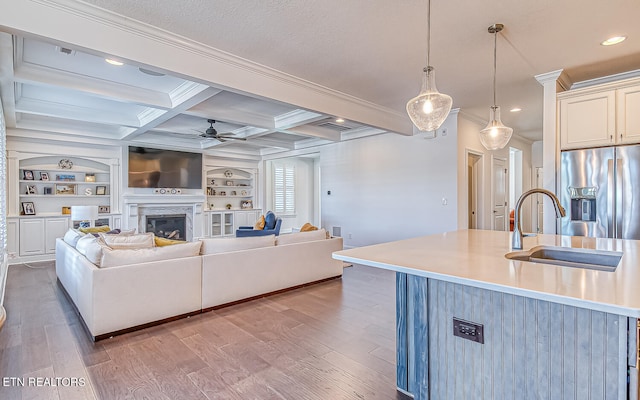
[495, 135]
[429, 108]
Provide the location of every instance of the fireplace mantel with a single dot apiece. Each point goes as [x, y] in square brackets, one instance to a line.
[138, 206]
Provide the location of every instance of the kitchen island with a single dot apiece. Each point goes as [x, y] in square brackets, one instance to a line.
[522, 329]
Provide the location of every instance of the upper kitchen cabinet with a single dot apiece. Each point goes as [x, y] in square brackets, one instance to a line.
[601, 115]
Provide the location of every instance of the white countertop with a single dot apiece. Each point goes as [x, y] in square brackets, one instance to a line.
[476, 258]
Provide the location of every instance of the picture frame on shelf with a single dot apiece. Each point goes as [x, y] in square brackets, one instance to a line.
[246, 204]
[89, 177]
[28, 175]
[229, 183]
[233, 193]
[28, 208]
[65, 189]
[47, 190]
[101, 190]
[31, 189]
[66, 210]
[104, 209]
[65, 178]
[44, 176]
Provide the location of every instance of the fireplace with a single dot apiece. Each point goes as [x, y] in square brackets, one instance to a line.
[171, 226]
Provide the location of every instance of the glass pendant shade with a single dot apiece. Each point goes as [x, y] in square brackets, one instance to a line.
[429, 108]
[495, 135]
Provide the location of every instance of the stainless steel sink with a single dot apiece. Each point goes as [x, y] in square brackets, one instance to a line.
[569, 257]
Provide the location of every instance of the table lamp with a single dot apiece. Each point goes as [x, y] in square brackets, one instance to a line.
[85, 214]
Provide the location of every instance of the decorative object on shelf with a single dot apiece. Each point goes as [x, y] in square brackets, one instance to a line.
[65, 178]
[495, 135]
[31, 189]
[233, 193]
[86, 215]
[47, 190]
[212, 181]
[44, 176]
[228, 206]
[223, 193]
[229, 183]
[101, 190]
[90, 177]
[65, 163]
[28, 175]
[246, 204]
[88, 192]
[65, 189]
[66, 210]
[243, 193]
[209, 191]
[28, 208]
[228, 173]
[211, 206]
[429, 108]
[104, 209]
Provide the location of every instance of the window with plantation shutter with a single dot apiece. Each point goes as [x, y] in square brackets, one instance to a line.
[284, 181]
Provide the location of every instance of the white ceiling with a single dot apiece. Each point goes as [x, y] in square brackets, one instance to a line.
[371, 50]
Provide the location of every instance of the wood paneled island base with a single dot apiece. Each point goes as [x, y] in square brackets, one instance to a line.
[510, 341]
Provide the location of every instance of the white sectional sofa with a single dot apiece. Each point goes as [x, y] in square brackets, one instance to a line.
[123, 297]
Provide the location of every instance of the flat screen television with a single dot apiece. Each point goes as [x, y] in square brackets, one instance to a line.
[157, 168]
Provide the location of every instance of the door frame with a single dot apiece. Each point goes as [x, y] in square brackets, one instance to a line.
[506, 187]
[478, 167]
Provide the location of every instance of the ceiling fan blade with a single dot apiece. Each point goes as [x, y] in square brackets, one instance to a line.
[234, 138]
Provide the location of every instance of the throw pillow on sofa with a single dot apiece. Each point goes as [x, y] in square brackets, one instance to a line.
[91, 247]
[260, 223]
[308, 227]
[269, 220]
[159, 241]
[95, 229]
[114, 258]
[72, 236]
[138, 241]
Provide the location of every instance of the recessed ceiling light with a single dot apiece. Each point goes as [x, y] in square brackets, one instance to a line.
[613, 40]
[113, 62]
[339, 120]
[516, 109]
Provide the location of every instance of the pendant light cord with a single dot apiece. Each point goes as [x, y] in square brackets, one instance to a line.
[495, 46]
[428, 30]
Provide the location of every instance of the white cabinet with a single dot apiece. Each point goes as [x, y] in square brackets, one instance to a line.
[628, 114]
[246, 218]
[32, 236]
[12, 237]
[587, 120]
[54, 228]
[602, 115]
[38, 235]
[221, 224]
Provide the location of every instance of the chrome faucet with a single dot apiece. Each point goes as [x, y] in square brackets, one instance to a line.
[516, 240]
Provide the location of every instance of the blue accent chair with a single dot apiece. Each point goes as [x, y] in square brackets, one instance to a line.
[271, 227]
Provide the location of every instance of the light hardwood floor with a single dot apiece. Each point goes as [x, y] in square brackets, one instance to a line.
[333, 340]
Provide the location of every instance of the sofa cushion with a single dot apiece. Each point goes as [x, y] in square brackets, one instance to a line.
[224, 245]
[299, 237]
[269, 220]
[260, 223]
[72, 236]
[138, 241]
[114, 258]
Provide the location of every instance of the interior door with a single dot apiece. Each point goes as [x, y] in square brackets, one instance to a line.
[499, 196]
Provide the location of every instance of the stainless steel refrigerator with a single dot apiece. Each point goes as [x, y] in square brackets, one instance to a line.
[600, 189]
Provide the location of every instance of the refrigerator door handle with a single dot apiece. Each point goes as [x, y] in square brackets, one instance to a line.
[619, 198]
[610, 199]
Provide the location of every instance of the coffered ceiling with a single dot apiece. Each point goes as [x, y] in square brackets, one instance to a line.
[287, 69]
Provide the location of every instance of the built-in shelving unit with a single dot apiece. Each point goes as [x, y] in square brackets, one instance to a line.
[230, 189]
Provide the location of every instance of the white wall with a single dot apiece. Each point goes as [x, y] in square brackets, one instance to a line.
[390, 187]
[3, 206]
[468, 139]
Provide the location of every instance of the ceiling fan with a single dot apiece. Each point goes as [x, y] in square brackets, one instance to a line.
[212, 133]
